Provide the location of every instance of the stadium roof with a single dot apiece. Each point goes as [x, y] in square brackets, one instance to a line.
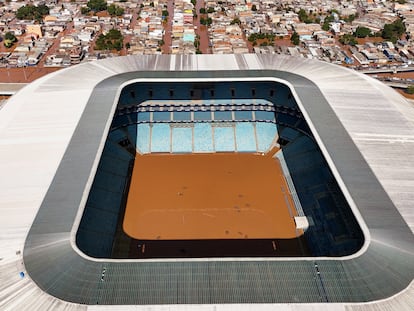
[52, 133]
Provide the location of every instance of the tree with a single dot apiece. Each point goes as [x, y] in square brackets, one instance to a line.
[97, 5]
[85, 10]
[235, 21]
[350, 18]
[348, 39]
[410, 89]
[165, 13]
[9, 39]
[115, 10]
[206, 21]
[327, 22]
[32, 12]
[113, 40]
[326, 26]
[393, 31]
[10, 36]
[362, 32]
[202, 11]
[302, 15]
[254, 8]
[210, 10]
[295, 38]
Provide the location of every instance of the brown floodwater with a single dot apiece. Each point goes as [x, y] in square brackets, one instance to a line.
[209, 196]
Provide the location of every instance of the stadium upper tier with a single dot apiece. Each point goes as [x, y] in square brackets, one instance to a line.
[52, 136]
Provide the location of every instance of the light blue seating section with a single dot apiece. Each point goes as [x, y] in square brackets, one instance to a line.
[203, 137]
[202, 115]
[222, 116]
[181, 115]
[143, 138]
[161, 116]
[265, 115]
[160, 138]
[245, 137]
[144, 116]
[224, 139]
[241, 137]
[182, 139]
[265, 133]
[243, 115]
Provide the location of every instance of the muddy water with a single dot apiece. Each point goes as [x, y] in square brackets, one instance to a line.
[208, 196]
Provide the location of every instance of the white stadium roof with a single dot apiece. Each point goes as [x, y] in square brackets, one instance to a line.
[39, 122]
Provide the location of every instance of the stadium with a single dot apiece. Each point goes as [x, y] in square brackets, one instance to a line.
[207, 182]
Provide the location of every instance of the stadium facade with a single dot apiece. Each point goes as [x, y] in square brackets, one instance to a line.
[53, 135]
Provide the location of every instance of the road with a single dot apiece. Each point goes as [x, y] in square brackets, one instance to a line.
[202, 30]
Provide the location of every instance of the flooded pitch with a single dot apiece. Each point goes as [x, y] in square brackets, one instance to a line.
[209, 196]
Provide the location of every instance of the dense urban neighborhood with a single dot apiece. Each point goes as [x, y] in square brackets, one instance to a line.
[366, 35]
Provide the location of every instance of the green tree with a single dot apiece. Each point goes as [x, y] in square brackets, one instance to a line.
[97, 5]
[9, 39]
[10, 36]
[327, 22]
[194, 2]
[350, 18]
[348, 39]
[85, 10]
[235, 21]
[115, 10]
[393, 31]
[295, 38]
[202, 11]
[32, 12]
[410, 89]
[362, 32]
[113, 40]
[210, 10]
[206, 21]
[254, 8]
[165, 13]
[302, 15]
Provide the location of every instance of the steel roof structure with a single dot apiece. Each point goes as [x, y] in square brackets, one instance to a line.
[52, 133]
